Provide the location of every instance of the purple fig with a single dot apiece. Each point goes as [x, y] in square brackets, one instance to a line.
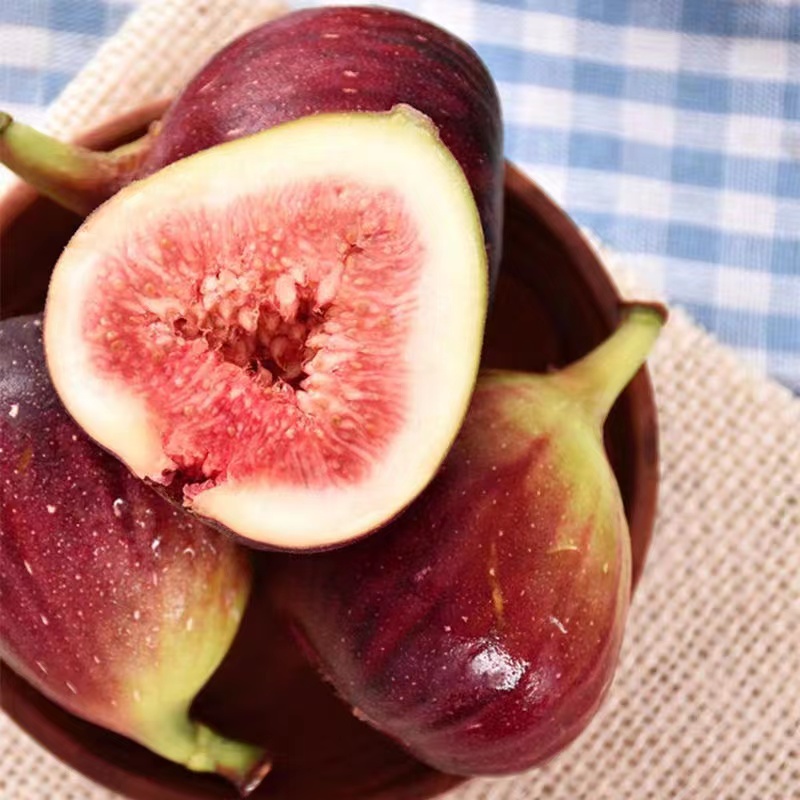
[481, 629]
[315, 60]
[115, 605]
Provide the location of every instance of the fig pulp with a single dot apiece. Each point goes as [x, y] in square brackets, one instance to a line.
[288, 354]
[315, 60]
[115, 605]
[482, 628]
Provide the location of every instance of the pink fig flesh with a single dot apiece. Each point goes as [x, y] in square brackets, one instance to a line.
[115, 605]
[482, 629]
[335, 59]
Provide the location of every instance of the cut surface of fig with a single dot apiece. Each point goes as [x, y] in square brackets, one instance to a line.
[284, 330]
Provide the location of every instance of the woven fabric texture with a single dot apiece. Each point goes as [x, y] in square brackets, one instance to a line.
[706, 704]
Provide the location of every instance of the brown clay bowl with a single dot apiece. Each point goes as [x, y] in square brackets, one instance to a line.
[554, 302]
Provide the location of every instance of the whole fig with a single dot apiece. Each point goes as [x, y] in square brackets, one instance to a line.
[482, 628]
[334, 59]
[114, 605]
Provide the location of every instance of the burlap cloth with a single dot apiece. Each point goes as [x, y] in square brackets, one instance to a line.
[706, 704]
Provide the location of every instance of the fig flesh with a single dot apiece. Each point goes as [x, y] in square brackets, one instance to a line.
[335, 59]
[481, 629]
[289, 353]
[115, 605]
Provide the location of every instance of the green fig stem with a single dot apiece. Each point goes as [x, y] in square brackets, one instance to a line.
[245, 765]
[201, 749]
[75, 177]
[597, 379]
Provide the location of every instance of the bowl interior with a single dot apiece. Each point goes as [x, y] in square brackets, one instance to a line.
[553, 303]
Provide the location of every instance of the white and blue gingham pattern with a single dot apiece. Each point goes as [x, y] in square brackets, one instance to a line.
[671, 128]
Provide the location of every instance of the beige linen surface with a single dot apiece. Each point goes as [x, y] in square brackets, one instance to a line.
[706, 704]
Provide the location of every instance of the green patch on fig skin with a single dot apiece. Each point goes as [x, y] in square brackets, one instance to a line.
[568, 408]
[564, 413]
[159, 698]
[161, 689]
[75, 177]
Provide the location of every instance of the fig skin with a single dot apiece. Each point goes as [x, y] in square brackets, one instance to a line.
[333, 59]
[115, 606]
[482, 629]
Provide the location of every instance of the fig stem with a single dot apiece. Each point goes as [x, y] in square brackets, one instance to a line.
[75, 177]
[243, 764]
[597, 379]
[201, 749]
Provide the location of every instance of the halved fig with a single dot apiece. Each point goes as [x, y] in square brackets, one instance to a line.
[282, 331]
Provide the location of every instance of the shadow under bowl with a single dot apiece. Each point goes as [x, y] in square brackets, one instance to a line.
[554, 302]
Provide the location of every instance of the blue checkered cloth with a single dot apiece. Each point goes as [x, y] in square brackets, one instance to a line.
[670, 128]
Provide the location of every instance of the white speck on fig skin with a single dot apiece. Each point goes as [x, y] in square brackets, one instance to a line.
[86, 546]
[559, 624]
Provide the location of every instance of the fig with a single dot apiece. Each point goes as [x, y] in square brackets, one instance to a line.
[481, 629]
[289, 354]
[116, 606]
[310, 61]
